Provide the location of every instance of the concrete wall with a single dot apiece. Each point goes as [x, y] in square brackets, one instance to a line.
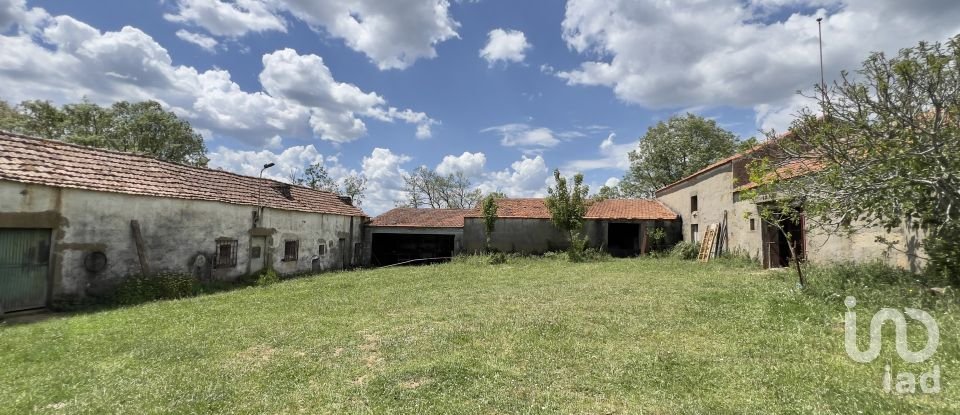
[175, 233]
[536, 236]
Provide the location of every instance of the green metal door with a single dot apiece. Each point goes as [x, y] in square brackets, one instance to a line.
[24, 264]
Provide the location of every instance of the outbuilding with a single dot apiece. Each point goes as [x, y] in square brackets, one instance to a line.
[74, 220]
[409, 235]
[622, 227]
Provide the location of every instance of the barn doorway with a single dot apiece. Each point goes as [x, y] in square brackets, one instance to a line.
[396, 248]
[776, 243]
[623, 239]
[24, 269]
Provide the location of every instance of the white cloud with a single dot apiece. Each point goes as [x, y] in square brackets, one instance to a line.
[384, 172]
[611, 156]
[206, 42]
[393, 34]
[669, 54]
[228, 19]
[524, 136]
[64, 60]
[287, 163]
[612, 182]
[470, 164]
[505, 46]
[526, 177]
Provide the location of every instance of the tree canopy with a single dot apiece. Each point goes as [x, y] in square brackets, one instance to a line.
[883, 149]
[674, 149]
[315, 176]
[139, 127]
[427, 188]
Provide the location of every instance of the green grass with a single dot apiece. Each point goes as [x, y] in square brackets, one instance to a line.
[530, 336]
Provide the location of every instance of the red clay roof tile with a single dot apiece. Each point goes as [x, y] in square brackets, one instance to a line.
[422, 218]
[609, 209]
[59, 164]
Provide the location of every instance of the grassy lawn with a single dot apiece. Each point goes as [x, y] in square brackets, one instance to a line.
[531, 336]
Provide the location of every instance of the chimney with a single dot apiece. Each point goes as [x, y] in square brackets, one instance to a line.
[346, 199]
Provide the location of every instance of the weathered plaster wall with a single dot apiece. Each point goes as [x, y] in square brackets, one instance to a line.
[714, 191]
[175, 232]
[529, 236]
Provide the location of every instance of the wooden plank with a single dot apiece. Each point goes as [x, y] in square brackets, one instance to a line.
[141, 251]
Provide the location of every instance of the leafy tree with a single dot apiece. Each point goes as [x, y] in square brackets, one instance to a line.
[141, 127]
[608, 192]
[427, 188]
[886, 152]
[489, 209]
[567, 206]
[674, 149]
[315, 176]
[354, 187]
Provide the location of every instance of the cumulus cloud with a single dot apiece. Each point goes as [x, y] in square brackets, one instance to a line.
[524, 136]
[505, 46]
[527, 177]
[384, 170]
[205, 42]
[392, 34]
[227, 18]
[65, 60]
[470, 164]
[611, 155]
[668, 54]
[288, 162]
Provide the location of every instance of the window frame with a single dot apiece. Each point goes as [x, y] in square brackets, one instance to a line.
[286, 250]
[694, 204]
[231, 259]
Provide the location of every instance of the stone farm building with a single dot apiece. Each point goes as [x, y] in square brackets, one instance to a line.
[76, 219]
[619, 226]
[713, 195]
[405, 234]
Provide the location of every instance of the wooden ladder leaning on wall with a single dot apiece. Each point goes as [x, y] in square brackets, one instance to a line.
[706, 244]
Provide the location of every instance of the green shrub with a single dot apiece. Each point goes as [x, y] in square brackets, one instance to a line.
[497, 258]
[578, 244]
[685, 250]
[163, 286]
[268, 277]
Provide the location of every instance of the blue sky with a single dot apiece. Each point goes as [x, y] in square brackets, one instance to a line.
[378, 88]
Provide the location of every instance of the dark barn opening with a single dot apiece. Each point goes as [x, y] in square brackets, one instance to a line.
[623, 239]
[777, 246]
[395, 248]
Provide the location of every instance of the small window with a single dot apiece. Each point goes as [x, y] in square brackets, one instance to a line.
[226, 253]
[694, 233]
[290, 250]
[693, 203]
[322, 249]
[753, 224]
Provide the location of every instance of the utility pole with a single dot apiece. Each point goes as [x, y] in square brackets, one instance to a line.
[823, 83]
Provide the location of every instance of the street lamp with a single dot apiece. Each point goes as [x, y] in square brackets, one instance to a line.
[259, 187]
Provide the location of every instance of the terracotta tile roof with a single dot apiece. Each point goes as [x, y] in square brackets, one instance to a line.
[789, 170]
[58, 164]
[626, 209]
[422, 218]
[630, 209]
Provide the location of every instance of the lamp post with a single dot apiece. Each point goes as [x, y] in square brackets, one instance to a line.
[259, 187]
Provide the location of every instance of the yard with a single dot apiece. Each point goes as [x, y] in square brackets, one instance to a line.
[529, 336]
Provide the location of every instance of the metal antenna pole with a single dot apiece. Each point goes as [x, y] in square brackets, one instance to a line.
[823, 83]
